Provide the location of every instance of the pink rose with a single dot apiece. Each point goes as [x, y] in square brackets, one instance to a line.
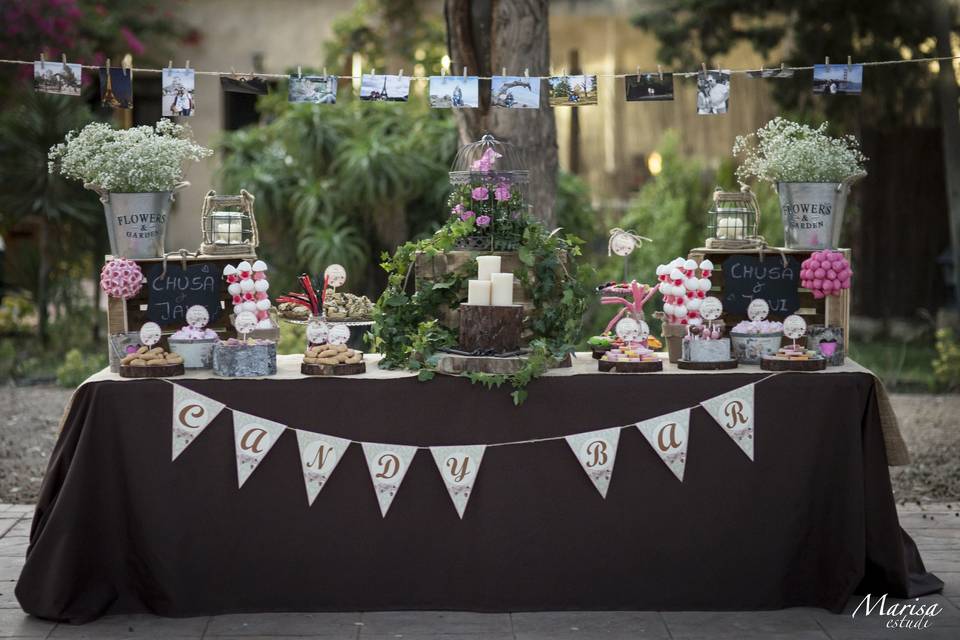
[502, 192]
[466, 215]
[480, 193]
[483, 221]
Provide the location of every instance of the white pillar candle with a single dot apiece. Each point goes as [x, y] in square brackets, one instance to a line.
[487, 265]
[501, 293]
[478, 292]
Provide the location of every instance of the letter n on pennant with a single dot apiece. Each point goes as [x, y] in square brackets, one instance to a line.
[192, 413]
[319, 456]
[733, 411]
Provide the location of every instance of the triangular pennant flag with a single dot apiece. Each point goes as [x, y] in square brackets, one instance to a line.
[319, 456]
[253, 438]
[734, 412]
[388, 464]
[668, 436]
[597, 452]
[192, 413]
[459, 467]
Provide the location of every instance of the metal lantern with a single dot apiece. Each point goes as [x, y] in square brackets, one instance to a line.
[228, 224]
[734, 220]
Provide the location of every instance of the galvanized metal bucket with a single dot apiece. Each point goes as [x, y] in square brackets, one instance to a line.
[812, 212]
[137, 222]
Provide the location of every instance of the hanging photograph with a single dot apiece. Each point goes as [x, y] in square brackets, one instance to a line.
[56, 77]
[572, 91]
[236, 83]
[771, 73]
[838, 78]
[384, 88]
[313, 89]
[454, 92]
[515, 92]
[177, 92]
[713, 92]
[116, 88]
[649, 86]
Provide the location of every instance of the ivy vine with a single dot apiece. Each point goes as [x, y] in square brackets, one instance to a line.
[407, 330]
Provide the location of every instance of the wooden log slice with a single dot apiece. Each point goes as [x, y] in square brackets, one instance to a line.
[351, 369]
[487, 327]
[630, 367]
[599, 351]
[690, 365]
[146, 371]
[776, 364]
[455, 364]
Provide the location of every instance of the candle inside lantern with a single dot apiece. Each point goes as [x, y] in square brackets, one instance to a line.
[486, 266]
[501, 292]
[227, 227]
[478, 292]
[730, 228]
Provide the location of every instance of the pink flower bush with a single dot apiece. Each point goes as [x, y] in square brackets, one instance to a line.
[480, 193]
[466, 215]
[483, 221]
[502, 192]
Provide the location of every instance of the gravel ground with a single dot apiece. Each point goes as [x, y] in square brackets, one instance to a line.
[930, 424]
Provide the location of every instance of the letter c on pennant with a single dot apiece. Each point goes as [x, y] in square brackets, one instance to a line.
[253, 443]
[191, 411]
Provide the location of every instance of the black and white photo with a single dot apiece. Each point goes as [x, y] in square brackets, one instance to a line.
[57, 77]
[313, 89]
[713, 92]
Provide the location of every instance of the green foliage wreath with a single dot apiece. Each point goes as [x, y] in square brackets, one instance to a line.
[407, 330]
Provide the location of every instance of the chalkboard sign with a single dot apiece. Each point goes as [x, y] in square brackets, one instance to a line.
[170, 294]
[746, 277]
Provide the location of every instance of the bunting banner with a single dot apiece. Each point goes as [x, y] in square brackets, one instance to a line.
[192, 413]
[459, 467]
[319, 456]
[253, 438]
[668, 435]
[597, 453]
[388, 464]
[734, 412]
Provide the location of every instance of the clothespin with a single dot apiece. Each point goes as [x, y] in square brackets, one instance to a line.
[63, 59]
[443, 72]
[170, 64]
[526, 73]
[108, 66]
[126, 63]
[782, 68]
[400, 75]
[638, 71]
[373, 72]
[187, 66]
[324, 72]
[826, 62]
[849, 61]
[660, 71]
[43, 60]
[464, 73]
[703, 68]
[299, 72]
[503, 71]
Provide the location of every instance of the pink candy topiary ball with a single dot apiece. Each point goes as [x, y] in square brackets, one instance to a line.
[825, 273]
[121, 278]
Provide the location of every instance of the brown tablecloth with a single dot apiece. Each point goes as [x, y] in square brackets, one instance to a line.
[119, 528]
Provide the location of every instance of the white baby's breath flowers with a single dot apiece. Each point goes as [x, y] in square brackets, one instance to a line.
[786, 151]
[136, 160]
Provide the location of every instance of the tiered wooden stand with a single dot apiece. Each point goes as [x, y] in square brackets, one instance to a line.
[720, 365]
[333, 369]
[630, 367]
[775, 364]
[162, 371]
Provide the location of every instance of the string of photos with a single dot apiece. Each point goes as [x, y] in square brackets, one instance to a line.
[178, 84]
[596, 451]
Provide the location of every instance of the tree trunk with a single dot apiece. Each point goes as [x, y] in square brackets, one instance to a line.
[43, 275]
[950, 127]
[486, 36]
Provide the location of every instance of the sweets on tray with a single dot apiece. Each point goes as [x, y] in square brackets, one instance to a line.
[331, 354]
[147, 357]
[630, 353]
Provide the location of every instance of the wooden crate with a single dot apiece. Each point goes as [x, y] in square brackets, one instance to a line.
[428, 268]
[831, 310]
[129, 315]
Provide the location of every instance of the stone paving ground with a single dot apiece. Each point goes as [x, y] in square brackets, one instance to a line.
[935, 527]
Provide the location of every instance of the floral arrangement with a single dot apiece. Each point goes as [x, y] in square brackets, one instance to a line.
[491, 206]
[137, 160]
[786, 151]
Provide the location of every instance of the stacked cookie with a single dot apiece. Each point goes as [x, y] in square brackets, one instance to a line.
[331, 354]
[155, 357]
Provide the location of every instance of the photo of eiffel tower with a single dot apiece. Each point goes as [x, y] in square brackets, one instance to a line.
[116, 88]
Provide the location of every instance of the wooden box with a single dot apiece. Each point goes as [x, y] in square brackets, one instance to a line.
[129, 315]
[831, 310]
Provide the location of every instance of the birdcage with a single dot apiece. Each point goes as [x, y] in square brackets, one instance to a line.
[228, 224]
[733, 221]
[489, 183]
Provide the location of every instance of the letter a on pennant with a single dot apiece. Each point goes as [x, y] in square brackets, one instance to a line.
[668, 435]
[192, 413]
[388, 464]
[733, 411]
[597, 452]
[319, 456]
[459, 466]
[253, 438]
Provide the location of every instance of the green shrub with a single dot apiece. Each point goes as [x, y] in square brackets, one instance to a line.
[946, 366]
[293, 339]
[77, 367]
[8, 359]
